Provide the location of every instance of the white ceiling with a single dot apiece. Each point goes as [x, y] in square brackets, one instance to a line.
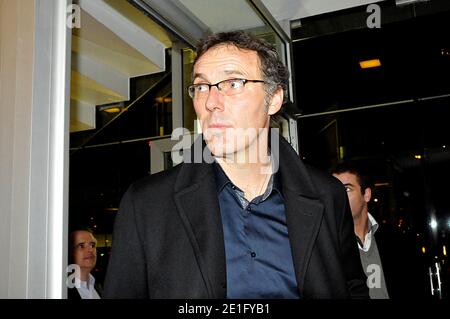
[297, 9]
[224, 15]
[237, 14]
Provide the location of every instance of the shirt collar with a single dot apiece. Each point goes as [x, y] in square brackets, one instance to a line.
[90, 282]
[372, 228]
[222, 180]
[373, 225]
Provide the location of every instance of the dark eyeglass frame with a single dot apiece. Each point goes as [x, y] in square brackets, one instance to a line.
[191, 88]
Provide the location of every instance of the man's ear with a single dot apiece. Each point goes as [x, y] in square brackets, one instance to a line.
[367, 194]
[276, 102]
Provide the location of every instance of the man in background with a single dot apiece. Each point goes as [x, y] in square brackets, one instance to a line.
[83, 253]
[386, 257]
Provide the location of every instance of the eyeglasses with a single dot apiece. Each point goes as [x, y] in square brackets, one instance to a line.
[227, 87]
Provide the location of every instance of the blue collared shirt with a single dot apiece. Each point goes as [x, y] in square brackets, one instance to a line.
[258, 253]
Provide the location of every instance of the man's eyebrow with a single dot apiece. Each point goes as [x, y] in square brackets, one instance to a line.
[227, 72]
[349, 184]
[199, 75]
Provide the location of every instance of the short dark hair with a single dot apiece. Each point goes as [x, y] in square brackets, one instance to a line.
[272, 68]
[357, 169]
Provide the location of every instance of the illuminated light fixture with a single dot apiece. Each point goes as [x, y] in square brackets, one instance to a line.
[370, 64]
[423, 250]
[417, 156]
[433, 224]
[376, 200]
[102, 254]
[161, 99]
[381, 184]
[113, 110]
[444, 250]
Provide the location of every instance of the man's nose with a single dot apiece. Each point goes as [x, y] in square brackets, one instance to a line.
[214, 100]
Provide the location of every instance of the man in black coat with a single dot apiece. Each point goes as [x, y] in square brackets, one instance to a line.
[390, 259]
[242, 217]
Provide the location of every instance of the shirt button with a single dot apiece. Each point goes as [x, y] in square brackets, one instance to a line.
[253, 254]
[249, 208]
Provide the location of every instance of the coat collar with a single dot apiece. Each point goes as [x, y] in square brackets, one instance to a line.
[198, 206]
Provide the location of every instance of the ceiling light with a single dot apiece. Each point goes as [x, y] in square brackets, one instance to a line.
[113, 110]
[370, 64]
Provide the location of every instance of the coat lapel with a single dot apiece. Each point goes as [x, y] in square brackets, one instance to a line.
[304, 210]
[303, 218]
[198, 206]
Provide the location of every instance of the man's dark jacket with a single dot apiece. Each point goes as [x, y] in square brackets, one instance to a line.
[73, 294]
[404, 271]
[168, 239]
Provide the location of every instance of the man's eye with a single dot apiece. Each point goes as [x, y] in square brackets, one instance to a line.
[235, 84]
[201, 88]
[347, 189]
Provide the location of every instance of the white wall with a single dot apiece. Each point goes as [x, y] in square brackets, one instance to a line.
[33, 147]
[16, 64]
